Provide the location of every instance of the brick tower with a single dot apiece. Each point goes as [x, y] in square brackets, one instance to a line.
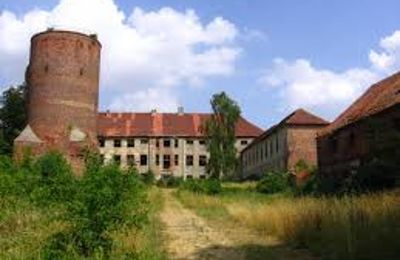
[63, 88]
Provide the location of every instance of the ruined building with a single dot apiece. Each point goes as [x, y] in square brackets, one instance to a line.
[282, 146]
[366, 129]
[165, 143]
[63, 89]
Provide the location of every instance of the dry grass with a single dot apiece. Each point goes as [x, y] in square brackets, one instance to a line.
[24, 229]
[352, 227]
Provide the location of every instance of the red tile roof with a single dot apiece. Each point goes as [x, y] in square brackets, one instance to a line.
[299, 117]
[163, 124]
[302, 117]
[377, 98]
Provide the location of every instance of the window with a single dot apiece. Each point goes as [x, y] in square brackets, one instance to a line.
[144, 141]
[189, 142]
[202, 176]
[244, 142]
[189, 177]
[131, 160]
[167, 142]
[202, 160]
[157, 143]
[276, 144]
[117, 142]
[167, 161]
[143, 159]
[176, 143]
[176, 159]
[131, 142]
[102, 142]
[202, 142]
[189, 160]
[117, 159]
[157, 159]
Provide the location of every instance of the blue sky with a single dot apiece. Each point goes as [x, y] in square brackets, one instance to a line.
[283, 54]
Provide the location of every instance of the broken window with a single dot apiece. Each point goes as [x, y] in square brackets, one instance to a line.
[131, 142]
[189, 160]
[117, 142]
[131, 160]
[143, 159]
[167, 161]
[202, 160]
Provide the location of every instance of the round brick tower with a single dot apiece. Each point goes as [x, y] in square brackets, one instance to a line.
[63, 90]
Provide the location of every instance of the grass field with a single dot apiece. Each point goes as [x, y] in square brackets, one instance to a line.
[350, 227]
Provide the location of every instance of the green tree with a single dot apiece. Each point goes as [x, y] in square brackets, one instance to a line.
[13, 116]
[220, 134]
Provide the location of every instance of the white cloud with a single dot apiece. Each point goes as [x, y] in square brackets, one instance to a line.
[324, 91]
[146, 100]
[163, 48]
[387, 60]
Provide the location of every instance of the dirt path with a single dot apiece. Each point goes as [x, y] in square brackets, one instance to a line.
[188, 236]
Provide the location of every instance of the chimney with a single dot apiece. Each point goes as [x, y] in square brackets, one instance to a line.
[180, 110]
[153, 111]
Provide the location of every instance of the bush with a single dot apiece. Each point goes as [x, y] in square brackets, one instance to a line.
[55, 179]
[210, 186]
[274, 182]
[148, 178]
[107, 198]
[104, 199]
[169, 181]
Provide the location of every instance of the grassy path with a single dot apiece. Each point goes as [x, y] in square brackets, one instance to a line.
[188, 236]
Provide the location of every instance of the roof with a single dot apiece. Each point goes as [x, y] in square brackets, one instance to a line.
[377, 98]
[299, 117]
[27, 135]
[163, 124]
[302, 117]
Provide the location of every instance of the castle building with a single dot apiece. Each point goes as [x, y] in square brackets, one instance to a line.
[63, 86]
[368, 126]
[282, 146]
[168, 144]
[63, 92]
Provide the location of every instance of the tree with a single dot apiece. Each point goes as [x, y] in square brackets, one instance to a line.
[13, 116]
[219, 130]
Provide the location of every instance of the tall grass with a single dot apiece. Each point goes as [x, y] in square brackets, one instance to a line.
[350, 227]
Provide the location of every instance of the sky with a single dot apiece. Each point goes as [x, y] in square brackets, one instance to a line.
[272, 57]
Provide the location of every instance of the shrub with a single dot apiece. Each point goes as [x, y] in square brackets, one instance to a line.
[273, 183]
[169, 181]
[55, 181]
[106, 199]
[210, 186]
[148, 178]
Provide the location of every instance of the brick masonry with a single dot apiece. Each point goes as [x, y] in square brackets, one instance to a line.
[63, 85]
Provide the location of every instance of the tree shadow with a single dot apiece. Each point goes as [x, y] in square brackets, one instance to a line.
[252, 252]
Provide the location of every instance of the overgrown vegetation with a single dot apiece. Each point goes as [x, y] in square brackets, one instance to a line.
[210, 186]
[46, 212]
[169, 181]
[347, 227]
